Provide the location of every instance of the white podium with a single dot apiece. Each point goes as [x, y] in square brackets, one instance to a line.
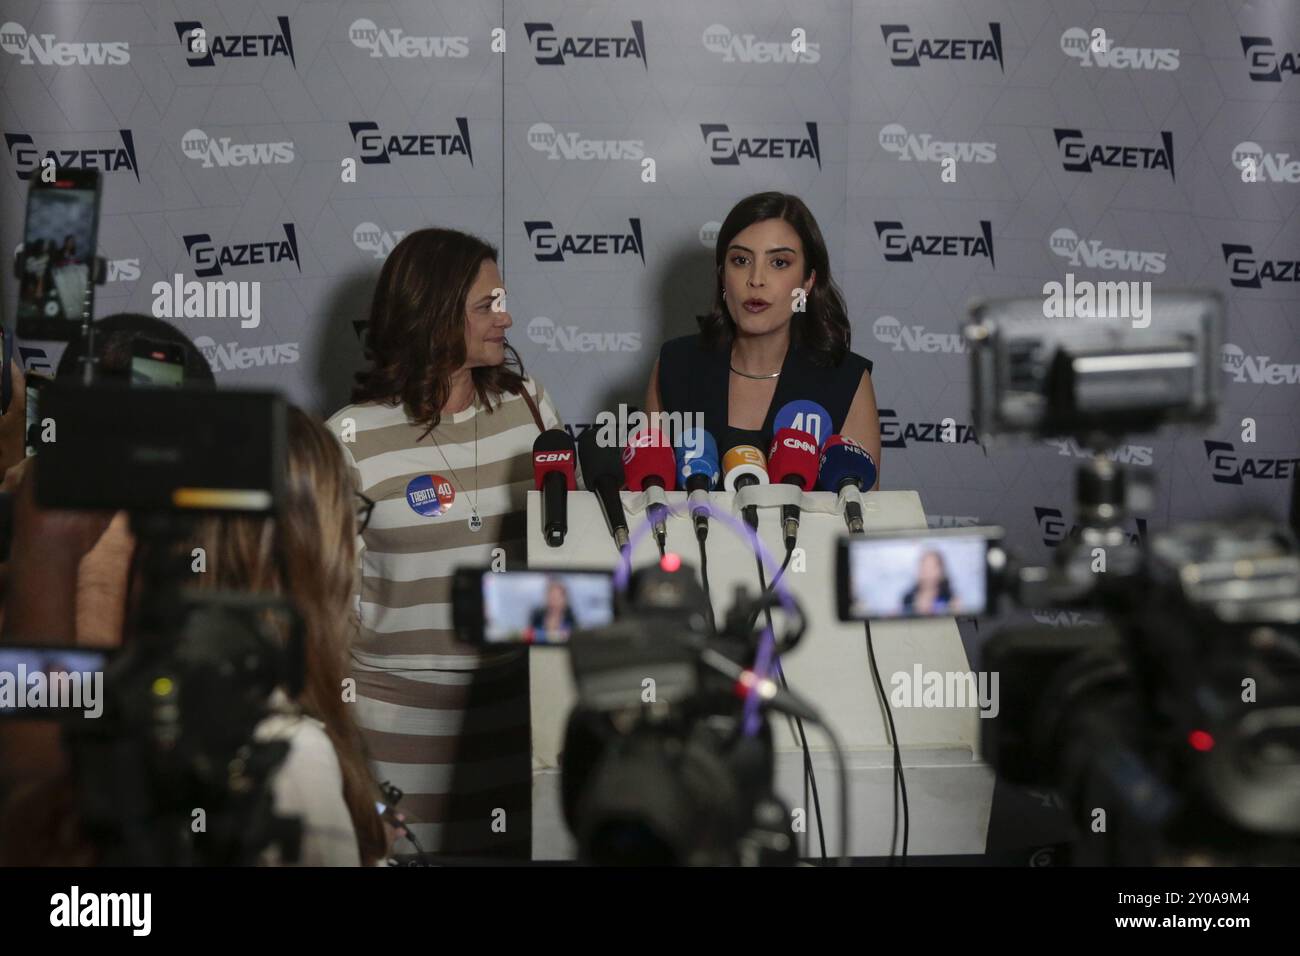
[950, 789]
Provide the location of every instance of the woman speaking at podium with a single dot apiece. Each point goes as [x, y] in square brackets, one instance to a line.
[778, 333]
[440, 439]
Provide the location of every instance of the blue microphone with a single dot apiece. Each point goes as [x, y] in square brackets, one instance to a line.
[846, 464]
[804, 416]
[698, 472]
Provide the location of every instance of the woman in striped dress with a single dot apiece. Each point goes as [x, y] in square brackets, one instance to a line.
[439, 436]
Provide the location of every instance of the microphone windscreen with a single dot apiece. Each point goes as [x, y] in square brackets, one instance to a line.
[743, 460]
[554, 451]
[805, 416]
[648, 455]
[793, 455]
[697, 455]
[600, 463]
[842, 459]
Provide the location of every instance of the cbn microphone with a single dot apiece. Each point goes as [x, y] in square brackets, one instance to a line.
[742, 466]
[847, 465]
[793, 461]
[697, 468]
[554, 458]
[805, 416]
[602, 472]
[648, 463]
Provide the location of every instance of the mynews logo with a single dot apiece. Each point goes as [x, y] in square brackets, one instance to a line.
[222, 151]
[397, 44]
[1107, 54]
[1256, 369]
[914, 338]
[924, 148]
[546, 139]
[746, 48]
[46, 50]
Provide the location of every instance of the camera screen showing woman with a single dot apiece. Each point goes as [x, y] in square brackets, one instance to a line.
[933, 593]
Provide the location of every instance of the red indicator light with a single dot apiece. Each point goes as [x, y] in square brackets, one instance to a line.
[1200, 740]
[670, 562]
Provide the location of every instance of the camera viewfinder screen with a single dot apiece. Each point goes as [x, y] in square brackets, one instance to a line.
[544, 607]
[58, 245]
[917, 577]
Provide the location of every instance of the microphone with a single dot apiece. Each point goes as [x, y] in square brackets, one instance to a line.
[805, 416]
[648, 463]
[742, 466]
[602, 472]
[847, 465]
[554, 457]
[697, 468]
[794, 459]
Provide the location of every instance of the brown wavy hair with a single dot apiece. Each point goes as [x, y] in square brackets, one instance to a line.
[823, 329]
[312, 543]
[416, 336]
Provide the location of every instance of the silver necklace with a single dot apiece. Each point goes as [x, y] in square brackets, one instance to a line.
[475, 522]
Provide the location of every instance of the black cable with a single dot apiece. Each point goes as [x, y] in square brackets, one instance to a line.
[810, 775]
[704, 579]
[900, 781]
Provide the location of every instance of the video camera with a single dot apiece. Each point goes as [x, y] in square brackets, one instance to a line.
[1173, 734]
[200, 668]
[667, 760]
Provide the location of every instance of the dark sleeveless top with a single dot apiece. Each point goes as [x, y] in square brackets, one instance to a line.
[694, 378]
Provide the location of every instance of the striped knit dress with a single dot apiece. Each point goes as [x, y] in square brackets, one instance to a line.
[443, 721]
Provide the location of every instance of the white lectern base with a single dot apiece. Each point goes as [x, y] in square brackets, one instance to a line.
[950, 790]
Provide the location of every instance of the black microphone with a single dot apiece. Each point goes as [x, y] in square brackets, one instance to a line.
[602, 472]
[554, 461]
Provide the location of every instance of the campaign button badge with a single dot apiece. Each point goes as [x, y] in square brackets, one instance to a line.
[430, 495]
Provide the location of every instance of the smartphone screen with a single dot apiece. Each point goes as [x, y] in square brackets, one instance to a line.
[544, 607]
[57, 268]
[157, 363]
[919, 575]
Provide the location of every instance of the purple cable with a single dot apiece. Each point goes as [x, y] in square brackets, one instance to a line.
[767, 641]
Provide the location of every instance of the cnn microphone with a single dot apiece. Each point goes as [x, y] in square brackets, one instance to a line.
[602, 472]
[697, 469]
[742, 466]
[847, 465]
[554, 457]
[648, 463]
[793, 461]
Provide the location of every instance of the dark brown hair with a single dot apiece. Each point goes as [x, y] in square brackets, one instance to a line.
[823, 329]
[416, 336]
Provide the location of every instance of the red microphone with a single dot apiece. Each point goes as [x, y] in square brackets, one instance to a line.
[648, 462]
[554, 476]
[792, 461]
